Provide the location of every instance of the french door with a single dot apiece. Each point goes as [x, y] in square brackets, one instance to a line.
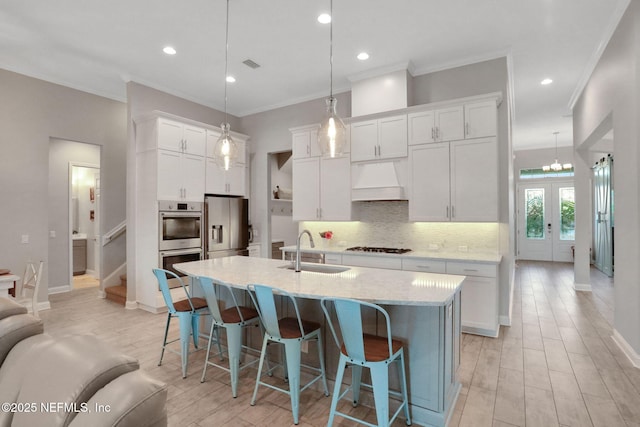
[546, 221]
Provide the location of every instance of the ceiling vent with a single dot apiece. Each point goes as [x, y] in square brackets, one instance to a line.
[249, 63]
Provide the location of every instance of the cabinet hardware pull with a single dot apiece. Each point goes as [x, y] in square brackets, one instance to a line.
[379, 151]
[438, 132]
[426, 267]
[447, 211]
[466, 129]
[471, 270]
[433, 133]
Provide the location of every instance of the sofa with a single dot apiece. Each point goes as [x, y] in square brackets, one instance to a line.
[75, 380]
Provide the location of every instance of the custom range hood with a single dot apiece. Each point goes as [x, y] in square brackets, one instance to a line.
[386, 180]
[374, 92]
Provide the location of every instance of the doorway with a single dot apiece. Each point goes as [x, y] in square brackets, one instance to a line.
[282, 228]
[546, 221]
[84, 223]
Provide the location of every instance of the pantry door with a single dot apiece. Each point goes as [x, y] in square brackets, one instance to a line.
[546, 221]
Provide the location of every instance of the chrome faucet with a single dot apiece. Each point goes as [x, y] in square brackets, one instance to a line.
[297, 266]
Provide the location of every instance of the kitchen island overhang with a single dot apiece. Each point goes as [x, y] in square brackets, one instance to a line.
[424, 310]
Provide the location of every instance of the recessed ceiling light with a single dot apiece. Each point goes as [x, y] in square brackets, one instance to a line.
[324, 18]
[363, 56]
[546, 82]
[231, 79]
[169, 50]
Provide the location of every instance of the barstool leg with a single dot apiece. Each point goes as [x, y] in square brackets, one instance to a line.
[206, 359]
[185, 319]
[262, 356]
[336, 389]
[234, 345]
[322, 370]
[356, 378]
[164, 341]
[403, 385]
[292, 350]
[380, 383]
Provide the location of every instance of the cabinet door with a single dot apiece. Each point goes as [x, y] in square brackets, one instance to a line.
[474, 180]
[480, 305]
[480, 119]
[449, 123]
[429, 182]
[387, 262]
[392, 137]
[305, 144]
[170, 135]
[306, 189]
[193, 177]
[364, 140]
[236, 180]
[195, 140]
[215, 182]
[169, 175]
[421, 128]
[335, 189]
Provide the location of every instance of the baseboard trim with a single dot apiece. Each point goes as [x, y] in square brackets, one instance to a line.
[102, 294]
[131, 305]
[505, 320]
[628, 351]
[60, 289]
[584, 287]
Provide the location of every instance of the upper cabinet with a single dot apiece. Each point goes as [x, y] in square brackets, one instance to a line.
[384, 138]
[180, 137]
[445, 124]
[233, 181]
[480, 119]
[305, 142]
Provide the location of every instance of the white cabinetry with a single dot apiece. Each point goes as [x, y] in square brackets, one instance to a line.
[219, 181]
[480, 119]
[479, 297]
[180, 176]
[184, 138]
[322, 189]
[425, 265]
[454, 181]
[305, 142]
[372, 261]
[384, 138]
[445, 124]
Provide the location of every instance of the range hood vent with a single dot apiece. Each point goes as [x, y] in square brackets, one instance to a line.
[379, 181]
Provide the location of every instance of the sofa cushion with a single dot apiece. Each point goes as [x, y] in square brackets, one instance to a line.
[134, 399]
[68, 374]
[18, 363]
[14, 329]
[9, 307]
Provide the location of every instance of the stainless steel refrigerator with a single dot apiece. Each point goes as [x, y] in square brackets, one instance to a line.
[226, 226]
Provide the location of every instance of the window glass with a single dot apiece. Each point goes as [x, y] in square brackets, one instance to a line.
[534, 212]
[567, 213]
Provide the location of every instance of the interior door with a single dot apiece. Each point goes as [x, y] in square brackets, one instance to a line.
[546, 221]
[603, 215]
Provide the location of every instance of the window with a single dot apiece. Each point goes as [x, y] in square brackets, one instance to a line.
[567, 213]
[537, 173]
[534, 205]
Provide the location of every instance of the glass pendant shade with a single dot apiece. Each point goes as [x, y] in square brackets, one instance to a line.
[331, 136]
[225, 152]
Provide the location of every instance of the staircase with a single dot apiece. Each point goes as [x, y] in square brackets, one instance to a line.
[118, 293]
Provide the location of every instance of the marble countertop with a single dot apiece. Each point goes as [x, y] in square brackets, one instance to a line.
[443, 255]
[379, 286]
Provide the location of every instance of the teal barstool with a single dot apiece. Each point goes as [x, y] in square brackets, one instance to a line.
[187, 311]
[359, 350]
[232, 320]
[291, 332]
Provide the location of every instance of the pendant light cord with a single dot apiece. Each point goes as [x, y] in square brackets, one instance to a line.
[226, 61]
[330, 50]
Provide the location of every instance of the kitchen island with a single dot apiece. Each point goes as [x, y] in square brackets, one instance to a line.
[424, 310]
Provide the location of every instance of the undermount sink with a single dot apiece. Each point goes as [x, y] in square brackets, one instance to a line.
[317, 268]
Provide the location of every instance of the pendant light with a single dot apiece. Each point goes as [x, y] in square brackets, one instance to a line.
[331, 136]
[556, 166]
[225, 151]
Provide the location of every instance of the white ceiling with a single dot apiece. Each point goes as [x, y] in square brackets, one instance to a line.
[97, 46]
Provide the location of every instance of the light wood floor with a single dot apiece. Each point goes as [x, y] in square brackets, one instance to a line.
[85, 281]
[555, 366]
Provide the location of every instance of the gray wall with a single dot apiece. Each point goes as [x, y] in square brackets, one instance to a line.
[611, 100]
[60, 154]
[31, 112]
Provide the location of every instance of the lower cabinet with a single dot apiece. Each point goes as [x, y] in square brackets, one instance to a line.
[372, 261]
[479, 297]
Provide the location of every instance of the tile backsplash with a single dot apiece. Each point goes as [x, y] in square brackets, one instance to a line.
[386, 224]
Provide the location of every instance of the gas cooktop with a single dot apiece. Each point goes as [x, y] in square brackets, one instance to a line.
[381, 250]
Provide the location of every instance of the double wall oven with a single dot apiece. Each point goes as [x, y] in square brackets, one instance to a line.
[180, 233]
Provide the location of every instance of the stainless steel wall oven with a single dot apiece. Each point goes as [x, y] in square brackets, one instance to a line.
[180, 225]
